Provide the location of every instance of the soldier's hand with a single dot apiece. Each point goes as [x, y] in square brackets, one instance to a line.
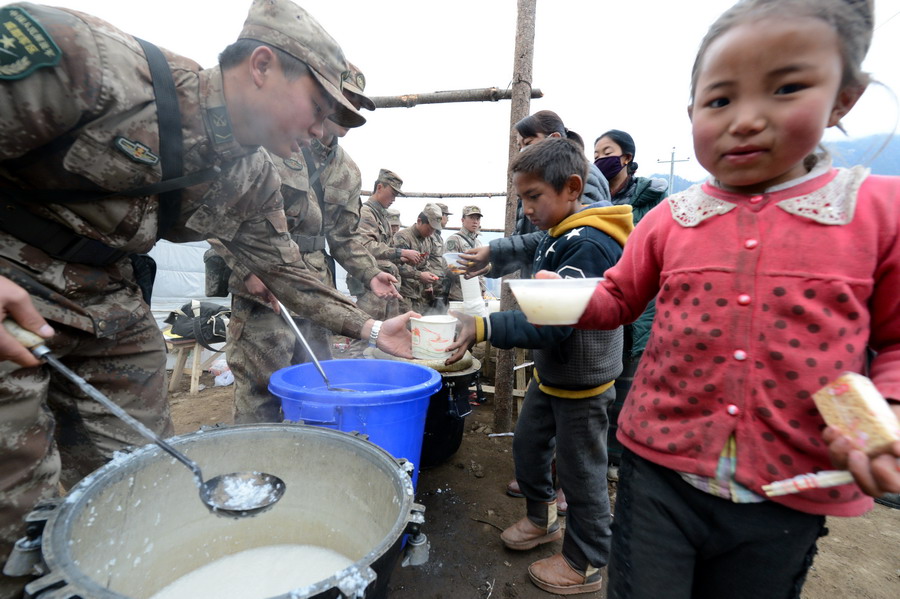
[876, 475]
[15, 303]
[383, 285]
[427, 277]
[411, 256]
[465, 337]
[477, 261]
[257, 288]
[395, 337]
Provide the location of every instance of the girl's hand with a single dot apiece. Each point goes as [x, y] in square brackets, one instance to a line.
[876, 475]
[465, 337]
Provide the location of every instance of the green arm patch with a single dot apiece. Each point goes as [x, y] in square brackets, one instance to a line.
[24, 45]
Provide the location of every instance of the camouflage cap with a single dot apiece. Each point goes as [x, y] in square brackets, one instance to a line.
[393, 216]
[353, 82]
[470, 210]
[286, 26]
[391, 179]
[433, 213]
[443, 207]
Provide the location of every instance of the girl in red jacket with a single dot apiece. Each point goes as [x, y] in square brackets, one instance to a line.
[773, 277]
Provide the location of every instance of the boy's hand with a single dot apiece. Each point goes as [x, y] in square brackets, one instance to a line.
[546, 274]
[476, 260]
[465, 337]
[876, 475]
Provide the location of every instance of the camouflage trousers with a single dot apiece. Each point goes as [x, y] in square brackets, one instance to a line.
[47, 424]
[379, 309]
[259, 343]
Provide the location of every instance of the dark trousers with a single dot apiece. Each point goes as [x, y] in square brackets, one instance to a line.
[577, 429]
[672, 540]
[623, 386]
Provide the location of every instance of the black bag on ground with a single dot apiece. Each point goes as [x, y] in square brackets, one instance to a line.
[205, 322]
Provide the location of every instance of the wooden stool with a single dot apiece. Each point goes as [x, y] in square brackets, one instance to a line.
[185, 347]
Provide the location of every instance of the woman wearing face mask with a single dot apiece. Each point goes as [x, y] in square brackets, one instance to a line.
[614, 156]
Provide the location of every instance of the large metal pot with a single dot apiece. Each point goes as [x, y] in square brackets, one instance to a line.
[137, 524]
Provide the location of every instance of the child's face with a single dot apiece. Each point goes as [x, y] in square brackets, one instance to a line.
[766, 91]
[543, 205]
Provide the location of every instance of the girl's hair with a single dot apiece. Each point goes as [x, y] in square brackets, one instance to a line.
[546, 122]
[553, 160]
[624, 141]
[852, 20]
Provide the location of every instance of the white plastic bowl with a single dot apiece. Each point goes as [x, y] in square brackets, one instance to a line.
[553, 301]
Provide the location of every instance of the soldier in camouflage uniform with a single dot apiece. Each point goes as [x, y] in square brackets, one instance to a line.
[78, 121]
[394, 220]
[437, 265]
[259, 340]
[374, 233]
[416, 281]
[464, 240]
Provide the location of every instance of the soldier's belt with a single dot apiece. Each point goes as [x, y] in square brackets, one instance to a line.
[309, 243]
[53, 238]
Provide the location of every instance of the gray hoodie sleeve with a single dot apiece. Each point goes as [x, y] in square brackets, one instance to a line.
[509, 254]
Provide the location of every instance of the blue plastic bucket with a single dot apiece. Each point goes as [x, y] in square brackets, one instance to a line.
[389, 404]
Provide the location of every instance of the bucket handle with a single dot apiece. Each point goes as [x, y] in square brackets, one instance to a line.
[319, 414]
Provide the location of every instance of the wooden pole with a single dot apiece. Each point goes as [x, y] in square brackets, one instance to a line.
[504, 402]
[486, 94]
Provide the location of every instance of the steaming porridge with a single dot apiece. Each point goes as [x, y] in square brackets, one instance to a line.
[257, 573]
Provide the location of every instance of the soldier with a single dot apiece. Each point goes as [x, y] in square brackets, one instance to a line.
[463, 240]
[394, 220]
[321, 188]
[437, 265]
[416, 281]
[374, 233]
[78, 122]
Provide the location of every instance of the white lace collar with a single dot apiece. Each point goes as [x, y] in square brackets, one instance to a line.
[832, 204]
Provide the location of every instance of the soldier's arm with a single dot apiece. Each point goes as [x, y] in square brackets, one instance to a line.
[345, 244]
[370, 238]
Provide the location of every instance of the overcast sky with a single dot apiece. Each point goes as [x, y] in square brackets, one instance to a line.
[600, 65]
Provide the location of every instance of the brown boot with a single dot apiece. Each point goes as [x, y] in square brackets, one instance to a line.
[525, 534]
[554, 575]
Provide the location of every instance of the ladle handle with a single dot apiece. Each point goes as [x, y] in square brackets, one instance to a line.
[290, 321]
[41, 351]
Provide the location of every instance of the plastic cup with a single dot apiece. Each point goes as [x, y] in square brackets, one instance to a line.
[553, 301]
[452, 264]
[431, 335]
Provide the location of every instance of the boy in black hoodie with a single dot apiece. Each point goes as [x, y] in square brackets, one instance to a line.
[565, 404]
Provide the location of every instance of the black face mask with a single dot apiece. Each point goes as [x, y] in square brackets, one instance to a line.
[610, 166]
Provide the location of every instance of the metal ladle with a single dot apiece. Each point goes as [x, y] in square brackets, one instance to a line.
[237, 495]
[293, 325]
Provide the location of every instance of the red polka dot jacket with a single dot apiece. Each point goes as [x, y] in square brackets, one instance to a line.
[762, 300]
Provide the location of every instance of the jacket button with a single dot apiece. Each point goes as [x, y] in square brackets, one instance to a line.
[743, 299]
[740, 355]
[733, 410]
[751, 244]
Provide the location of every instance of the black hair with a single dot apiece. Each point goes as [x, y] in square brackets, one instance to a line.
[554, 160]
[236, 53]
[546, 122]
[624, 141]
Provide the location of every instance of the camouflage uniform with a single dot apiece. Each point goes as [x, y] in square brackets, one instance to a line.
[416, 295]
[461, 241]
[259, 341]
[89, 123]
[374, 232]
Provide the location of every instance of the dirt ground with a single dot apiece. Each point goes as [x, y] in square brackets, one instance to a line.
[466, 508]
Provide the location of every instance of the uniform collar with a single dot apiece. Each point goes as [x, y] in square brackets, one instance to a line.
[215, 115]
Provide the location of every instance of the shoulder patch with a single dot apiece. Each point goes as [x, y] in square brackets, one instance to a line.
[293, 164]
[136, 151]
[24, 45]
